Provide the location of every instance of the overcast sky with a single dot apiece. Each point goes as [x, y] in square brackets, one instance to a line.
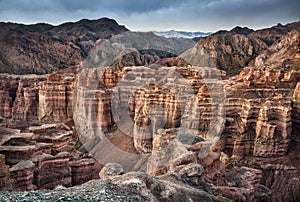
[145, 15]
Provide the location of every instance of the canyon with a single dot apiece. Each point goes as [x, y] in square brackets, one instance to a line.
[219, 121]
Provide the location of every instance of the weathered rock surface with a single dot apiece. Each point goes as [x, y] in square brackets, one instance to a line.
[20, 101]
[82, 170]
[55, 96]
[110, 170]
[133, 186]
[22, 175]
[258, 128]
[232, 52]
[44, 157]
[52, 170]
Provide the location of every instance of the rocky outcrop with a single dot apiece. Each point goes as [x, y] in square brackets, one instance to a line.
[44, 157]
[144, 114]
[242, 184]
[82, 170]
[32, 99]
[282, 180]
[25, 105]
[52, 170]
[172, 149]
[162, 189]
[191, 159]
[21, 148]
[110, 170]
[273, 129]
[283, 55]
[8, 91]
[22, 175]
[296, 113]
[133, 186]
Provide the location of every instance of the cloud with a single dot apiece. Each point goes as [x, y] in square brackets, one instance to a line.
[205, 15]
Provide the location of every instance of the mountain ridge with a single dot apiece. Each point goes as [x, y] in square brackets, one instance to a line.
[43, 48]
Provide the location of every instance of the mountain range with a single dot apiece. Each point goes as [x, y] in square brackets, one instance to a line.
[182, 34]
[43, 48]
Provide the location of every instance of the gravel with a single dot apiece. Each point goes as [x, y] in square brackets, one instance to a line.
[94, 190]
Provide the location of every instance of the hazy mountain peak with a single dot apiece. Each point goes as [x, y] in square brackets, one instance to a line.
[241, 30]
[181, 34]
[235, 30]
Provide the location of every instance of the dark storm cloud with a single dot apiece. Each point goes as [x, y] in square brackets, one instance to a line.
[156, 14]
[125, 6]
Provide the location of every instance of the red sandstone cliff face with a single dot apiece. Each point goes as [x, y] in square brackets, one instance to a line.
[260, 134]
[55, 97]
[19, 96]
[257, 140]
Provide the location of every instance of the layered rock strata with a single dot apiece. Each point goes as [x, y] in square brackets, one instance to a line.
[44, 158]
[20, 99]
[22, 175]
[52, 170]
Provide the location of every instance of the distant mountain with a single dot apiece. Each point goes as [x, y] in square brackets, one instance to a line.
[232, 50]
[236, 30]
[270, 35]
[182, 34]
[43, 48]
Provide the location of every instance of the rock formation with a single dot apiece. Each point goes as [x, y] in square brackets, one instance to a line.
[44, 157]
[110, 169]
[20, 100]
[55, 97]
[83, 169]
[52, 170]
[22, 175]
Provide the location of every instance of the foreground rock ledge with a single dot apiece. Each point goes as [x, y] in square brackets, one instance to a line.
[133, 186]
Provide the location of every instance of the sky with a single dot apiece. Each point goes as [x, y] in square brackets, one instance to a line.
[156, 15]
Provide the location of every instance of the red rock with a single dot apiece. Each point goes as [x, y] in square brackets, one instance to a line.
[52, 171]
[55, 98]
[82, 170]
[22, 175]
